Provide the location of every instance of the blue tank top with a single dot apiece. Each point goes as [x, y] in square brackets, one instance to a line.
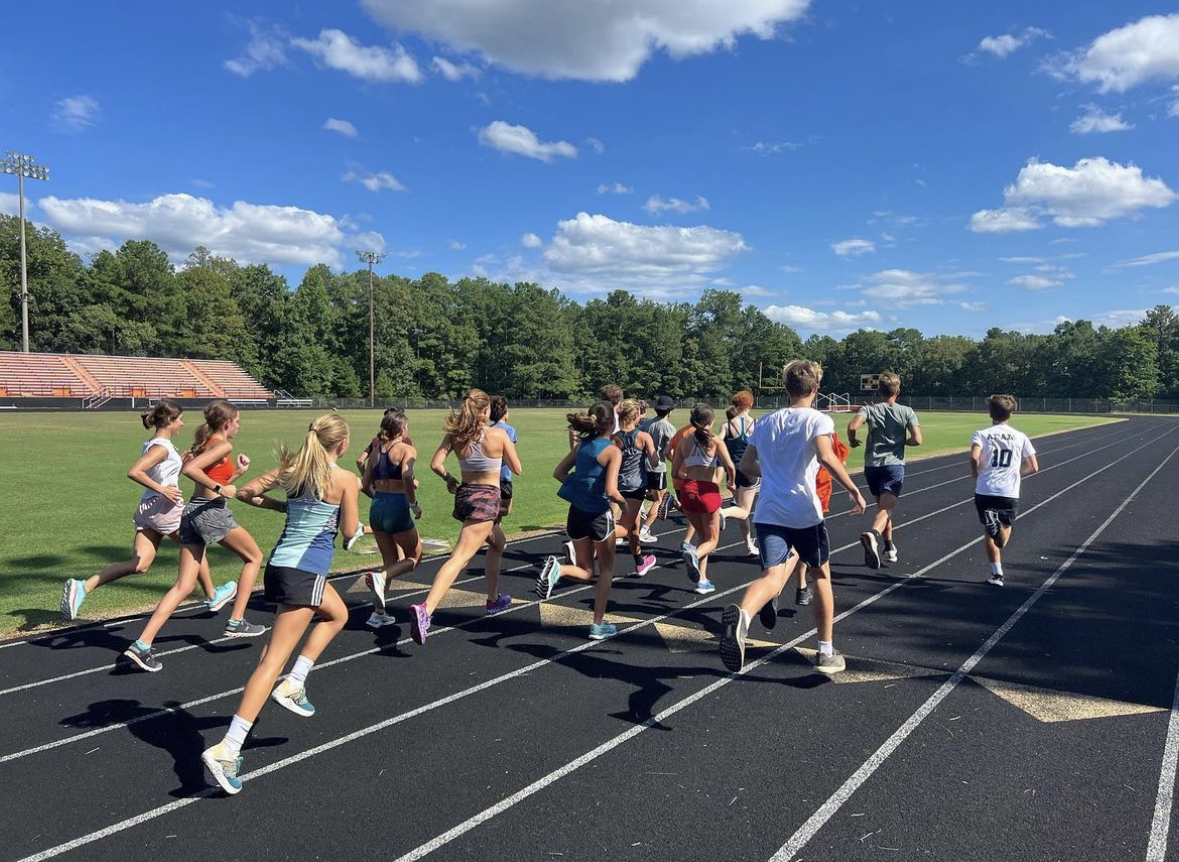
[385, 468]
[309, 537]
[632, 473]
[738, 444]
[585, 487]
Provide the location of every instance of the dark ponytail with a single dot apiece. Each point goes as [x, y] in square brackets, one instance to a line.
[162, 415]
[701, 419]
[596, 422]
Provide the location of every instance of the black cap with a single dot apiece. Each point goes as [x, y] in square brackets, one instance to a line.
[664, 402]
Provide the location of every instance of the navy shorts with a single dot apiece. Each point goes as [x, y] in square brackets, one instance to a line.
[657, 481]
[287, 586]
[389, 513]
[775, 544]
[887, 479]
[744, 481]
[589, 525]
[1005, 507]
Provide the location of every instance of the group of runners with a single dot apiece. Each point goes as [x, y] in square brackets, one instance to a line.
[779, 471]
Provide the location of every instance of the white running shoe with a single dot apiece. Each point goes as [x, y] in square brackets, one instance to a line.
[380, 619]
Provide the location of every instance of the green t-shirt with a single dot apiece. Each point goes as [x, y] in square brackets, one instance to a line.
[888, 426]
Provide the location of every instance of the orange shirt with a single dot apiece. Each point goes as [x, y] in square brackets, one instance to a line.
[222, 471]
[823, 479]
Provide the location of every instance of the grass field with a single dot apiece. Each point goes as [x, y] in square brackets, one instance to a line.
[67, 506]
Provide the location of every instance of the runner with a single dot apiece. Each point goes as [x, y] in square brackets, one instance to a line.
[207, 520]
[735, 432]
[498, 541]
[661, 431]
[160, 507]
[891, 427]
[482, 452]
[320, 499]
[786, 449]
[669, 500]
[389, 479]
[696, 460]
[1000, 457]
[589, 490]
[638, 456]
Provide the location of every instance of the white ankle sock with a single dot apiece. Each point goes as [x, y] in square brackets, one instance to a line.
[299, 672]
[996, 568]
[826, 648]
[235, 737]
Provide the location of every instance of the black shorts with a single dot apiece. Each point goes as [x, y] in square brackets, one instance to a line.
[637, 494]
[776, 543]
[505, 489]
[657, 481]
[1006, 507]
[584, 525]
[744, 481]
[287, 586]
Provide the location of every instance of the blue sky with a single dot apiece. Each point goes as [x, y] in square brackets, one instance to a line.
[950, 166]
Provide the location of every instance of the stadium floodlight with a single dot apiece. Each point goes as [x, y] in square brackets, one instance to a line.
[23, 166]
[371, 257]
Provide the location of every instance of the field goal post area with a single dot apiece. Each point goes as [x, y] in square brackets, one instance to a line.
[835, 402]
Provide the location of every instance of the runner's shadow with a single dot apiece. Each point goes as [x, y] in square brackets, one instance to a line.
[31, 619]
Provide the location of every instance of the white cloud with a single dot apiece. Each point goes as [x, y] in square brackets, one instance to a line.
[756, 290]
[1123, 58]
[593, 40]
[1008, 43]
[901, 288]
[456, 245]
[1088, 194]
[1096, 120]
[1173, 108]
[772, 148]
[531, 240]
[853, 247]
[596, 145]
[335, 49]
[597, 247]
[522, 141]
[344, 127]
[1148, 259]
[179, 222]
[202, 184]
[790, 270]
[614, 189]
[75, 114]
[454, 71]
[374, 182]
[267, 49]
[10, 204]
[1035, 282]
[828, 322]
[656, 205]
[1172, 289]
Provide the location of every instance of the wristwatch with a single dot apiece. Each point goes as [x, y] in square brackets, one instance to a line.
[217, 488]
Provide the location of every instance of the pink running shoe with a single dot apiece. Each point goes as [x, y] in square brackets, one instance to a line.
[501, 603]
[419, 625]
[645, 565]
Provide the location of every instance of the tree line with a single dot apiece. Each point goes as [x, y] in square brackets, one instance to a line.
[434, 337]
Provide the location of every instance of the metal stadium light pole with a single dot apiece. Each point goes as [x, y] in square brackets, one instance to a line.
[23, 166]
[371, 257]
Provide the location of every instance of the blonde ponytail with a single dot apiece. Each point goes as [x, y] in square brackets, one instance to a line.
[309, 470]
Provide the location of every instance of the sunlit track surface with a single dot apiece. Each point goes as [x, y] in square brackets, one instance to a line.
[513, 737]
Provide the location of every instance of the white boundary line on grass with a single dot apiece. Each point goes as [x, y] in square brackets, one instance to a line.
[570, 767]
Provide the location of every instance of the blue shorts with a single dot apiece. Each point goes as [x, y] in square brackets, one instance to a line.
[885, 480]
[390, 514]
[775, 543]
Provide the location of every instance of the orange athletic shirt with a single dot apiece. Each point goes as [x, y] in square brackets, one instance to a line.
[222, 471]
[823, 478]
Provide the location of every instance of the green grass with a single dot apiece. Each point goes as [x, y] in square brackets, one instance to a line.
[67, 506]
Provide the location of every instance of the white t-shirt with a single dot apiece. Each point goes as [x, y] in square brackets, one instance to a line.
[167, 472]
[785, 443]
[1003, 451]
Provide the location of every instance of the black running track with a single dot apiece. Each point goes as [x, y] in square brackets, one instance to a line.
[1032, 722]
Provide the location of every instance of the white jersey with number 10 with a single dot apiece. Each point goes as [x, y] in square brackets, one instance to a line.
[1003, 450]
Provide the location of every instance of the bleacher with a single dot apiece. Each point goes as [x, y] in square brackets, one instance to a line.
[99, 378]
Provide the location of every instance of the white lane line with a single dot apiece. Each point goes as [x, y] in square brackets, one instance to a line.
[816, 821]
[1156, 848]
[568, 768]
[887, 591]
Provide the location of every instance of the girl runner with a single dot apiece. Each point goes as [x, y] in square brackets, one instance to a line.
[589, 490]
[697, 458]
[482, 452]
[321, 498]
[638, 454]
[735, 432]
[498, 541]
[157, 470]
[389, 474]
[207, 520]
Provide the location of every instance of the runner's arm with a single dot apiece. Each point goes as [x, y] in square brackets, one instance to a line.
[253, 493]
[749, 465]
[1029, 466]
[975, 459]
[857, 422]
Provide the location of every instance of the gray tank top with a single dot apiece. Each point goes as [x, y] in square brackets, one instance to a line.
[632, 474]
[477, 462]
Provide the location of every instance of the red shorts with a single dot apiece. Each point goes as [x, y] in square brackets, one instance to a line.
[701, 497]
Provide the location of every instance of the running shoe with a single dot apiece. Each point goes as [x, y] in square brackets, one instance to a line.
[723, 520]
[243, 629]
[686, 546]
[646, 564]
[804, 595]
[992, 524]
[752, 549]
[501, 603]
[870, 539]
[705, 587]
[601, 631]
[890, 552]
[692, 565]
[419, 624]
[379, 619]
[647, 537]
[223, 768]
[222, 596]
[350, 541]
[768, 615]
[292, 697]
[550, 573]
[145, 658]
[375, 581]
[995, 580]
[621, 541]
[72, 596]
[664, 507]
[830, 664]
[732, 639]
[570, 553]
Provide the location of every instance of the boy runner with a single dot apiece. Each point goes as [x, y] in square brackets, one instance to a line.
[1000, 457]
[661, 431]
[786, 449]
[884, 463]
